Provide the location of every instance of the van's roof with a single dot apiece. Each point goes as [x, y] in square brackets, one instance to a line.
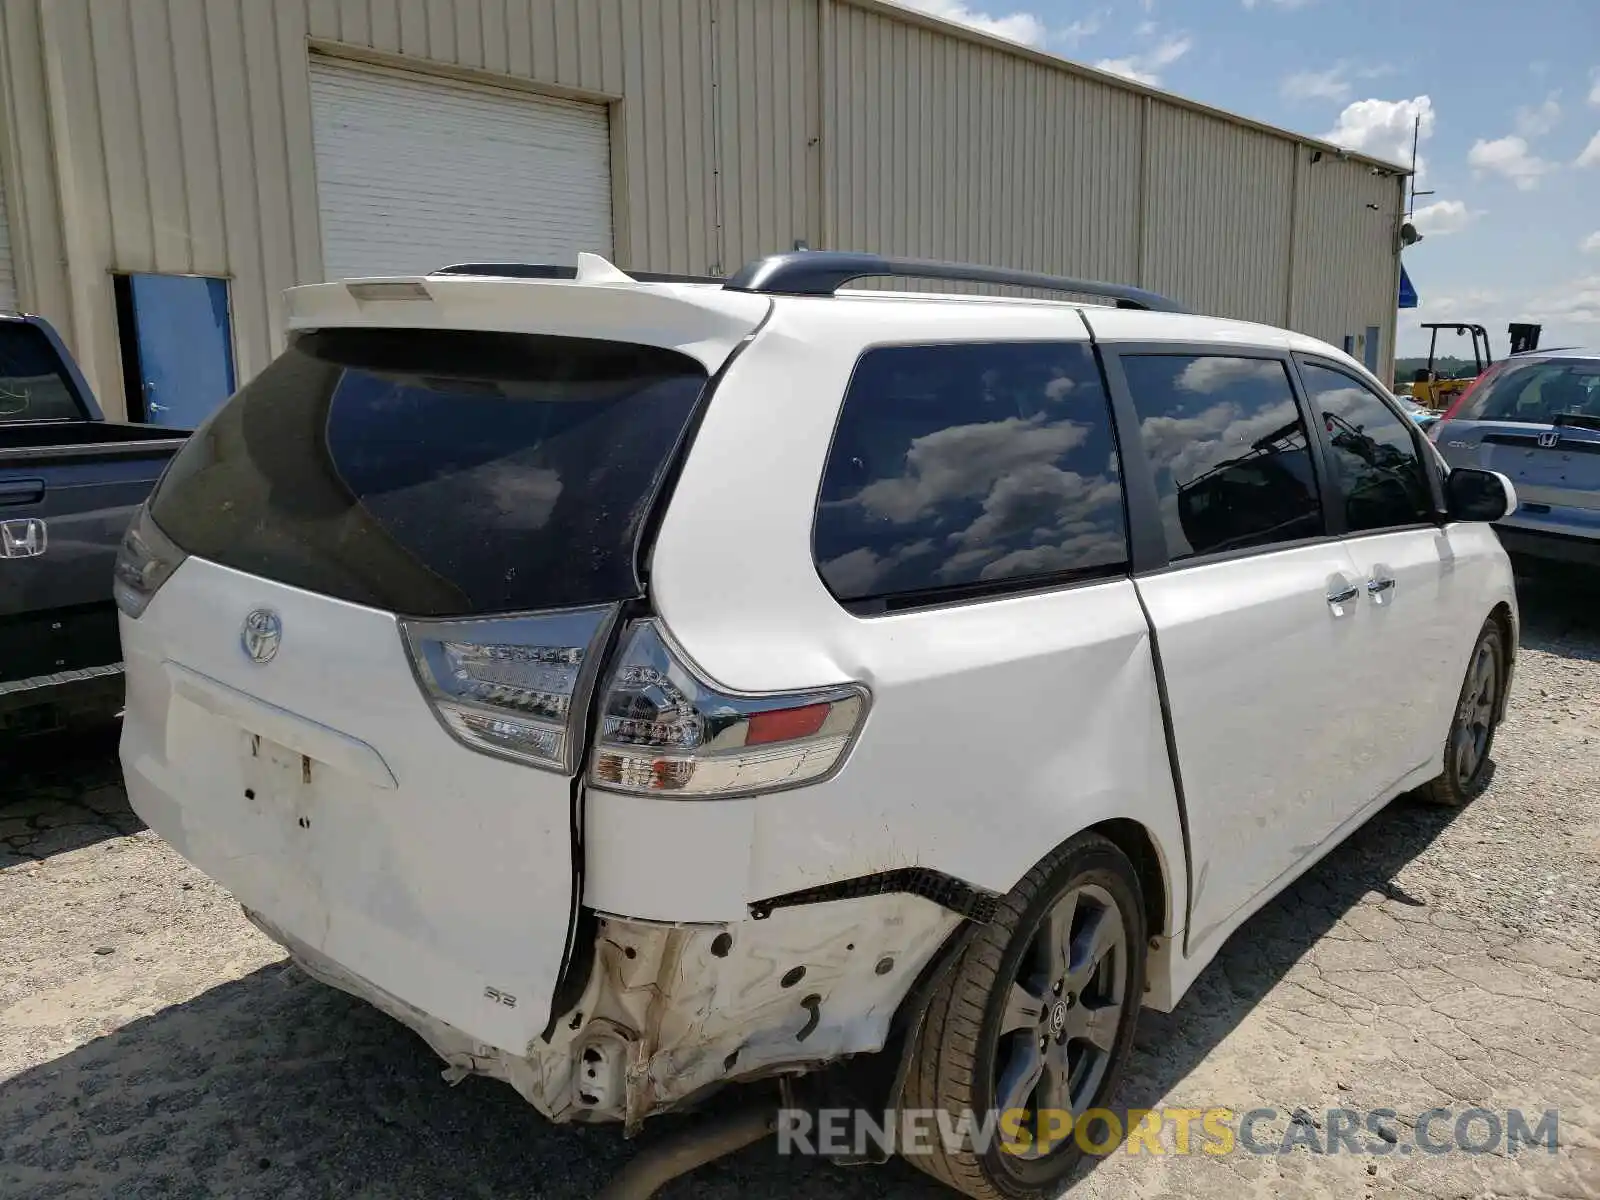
[706, 318]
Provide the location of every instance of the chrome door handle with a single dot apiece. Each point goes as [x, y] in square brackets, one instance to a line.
[1376, 587]
[1344, 595]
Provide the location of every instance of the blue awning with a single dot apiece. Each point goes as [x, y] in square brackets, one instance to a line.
[1408, 294]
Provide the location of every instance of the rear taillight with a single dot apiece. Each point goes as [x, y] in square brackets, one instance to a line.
[145, 560]
[516, 687]
[666, 731]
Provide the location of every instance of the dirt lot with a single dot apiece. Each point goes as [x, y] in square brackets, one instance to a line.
[153, 1044]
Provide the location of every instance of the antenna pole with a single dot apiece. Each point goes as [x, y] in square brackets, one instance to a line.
[1416, 136]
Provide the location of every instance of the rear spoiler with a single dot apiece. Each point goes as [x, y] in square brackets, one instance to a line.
[704, 323]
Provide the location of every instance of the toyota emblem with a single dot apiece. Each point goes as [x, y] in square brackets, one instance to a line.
[261, 634]
[1058, 1019]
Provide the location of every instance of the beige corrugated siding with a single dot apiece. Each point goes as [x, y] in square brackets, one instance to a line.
[1344, 268]
[948, 149]
[8, 277]
[1218, 215]
[176, 135]
[33, 203]
[768, 126]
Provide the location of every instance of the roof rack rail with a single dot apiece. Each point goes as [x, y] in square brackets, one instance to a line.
[823, 272]
[554, 271]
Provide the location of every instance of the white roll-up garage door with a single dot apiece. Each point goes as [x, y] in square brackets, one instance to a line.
[414, 174]
[8, 278]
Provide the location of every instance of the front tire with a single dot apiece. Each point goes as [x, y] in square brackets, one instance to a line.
[1037, 1014]
[1467, 766]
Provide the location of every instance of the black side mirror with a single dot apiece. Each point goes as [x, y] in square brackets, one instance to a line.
[1473, 495]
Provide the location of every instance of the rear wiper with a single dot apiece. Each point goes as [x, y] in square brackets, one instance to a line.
[1577, 420]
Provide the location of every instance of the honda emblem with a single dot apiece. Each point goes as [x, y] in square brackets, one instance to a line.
[1550, 438]
[25, 538]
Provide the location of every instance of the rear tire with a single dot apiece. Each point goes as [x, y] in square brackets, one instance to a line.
[1467, 765]
[1061, 966]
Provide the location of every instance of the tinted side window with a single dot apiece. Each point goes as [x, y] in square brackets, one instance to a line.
[965, 466]
[1375, 463]
[33, 386]
[1230, 453]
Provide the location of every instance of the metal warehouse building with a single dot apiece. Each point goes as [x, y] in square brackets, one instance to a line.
[170, 166]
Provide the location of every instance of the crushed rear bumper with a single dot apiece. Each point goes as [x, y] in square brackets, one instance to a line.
[672, 1011]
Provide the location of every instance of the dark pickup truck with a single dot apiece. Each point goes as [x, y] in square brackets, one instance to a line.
[69, 484]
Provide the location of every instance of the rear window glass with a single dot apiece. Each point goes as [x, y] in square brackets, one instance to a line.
[437, 473]
[1536, 392]
[33, 387]
[959, 468]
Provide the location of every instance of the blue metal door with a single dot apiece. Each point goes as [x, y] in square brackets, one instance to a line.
[185, 346]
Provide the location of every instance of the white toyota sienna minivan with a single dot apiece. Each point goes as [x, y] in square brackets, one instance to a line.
[637, 686]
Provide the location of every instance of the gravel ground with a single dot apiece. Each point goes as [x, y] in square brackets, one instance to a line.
[153, 1044]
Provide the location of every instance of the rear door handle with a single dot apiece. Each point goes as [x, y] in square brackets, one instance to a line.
[1344, 595]
[1380, 585]
[22, 491]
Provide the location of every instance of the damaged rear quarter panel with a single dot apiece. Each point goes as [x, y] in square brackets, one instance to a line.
[671, 1011]
[806, 985]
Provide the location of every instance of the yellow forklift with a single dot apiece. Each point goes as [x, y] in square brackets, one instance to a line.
[1427, 389]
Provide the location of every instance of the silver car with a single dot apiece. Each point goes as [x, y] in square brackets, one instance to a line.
[1536, 418]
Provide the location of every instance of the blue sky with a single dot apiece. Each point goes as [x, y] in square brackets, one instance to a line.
[1509, 94]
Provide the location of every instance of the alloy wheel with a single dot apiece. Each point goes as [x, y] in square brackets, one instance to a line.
[1475, 718]
[1060, 1022]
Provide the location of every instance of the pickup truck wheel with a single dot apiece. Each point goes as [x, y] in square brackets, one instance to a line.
[1034, 1023]
[1467, 768]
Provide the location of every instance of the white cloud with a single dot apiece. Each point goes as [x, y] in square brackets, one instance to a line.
[1510, 157]
[1332, 84]
[860, 570]
[1103, 544]
[1591, 244]
[1209, 374]
[1577, 303]
[1463, 304]
[1382, 128]
[1074, 33]
[1568, 310]
[1442, 217]
[523, 496]
[1036, 496]
[1146, 67]
[1187, 446]
[965, 460]
[1018, 26]
[1591, 154]
[1536, 122]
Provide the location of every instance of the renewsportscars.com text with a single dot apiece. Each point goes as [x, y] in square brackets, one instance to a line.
[856, 1133]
